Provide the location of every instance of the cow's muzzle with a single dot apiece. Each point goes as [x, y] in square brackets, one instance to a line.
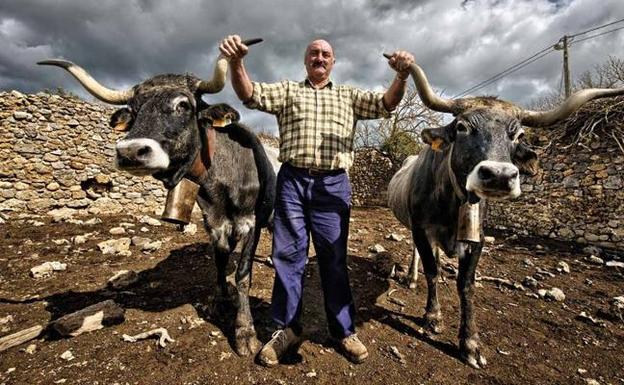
[494, 180]
[141, 156]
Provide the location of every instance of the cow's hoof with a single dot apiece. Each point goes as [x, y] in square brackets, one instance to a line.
[471, 354]
[434, 324]
[246, 343]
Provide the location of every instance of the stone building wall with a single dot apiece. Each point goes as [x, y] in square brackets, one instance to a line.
[577, 196]
[58, 152]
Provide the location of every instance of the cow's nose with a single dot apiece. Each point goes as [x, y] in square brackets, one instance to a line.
[134, 151]
[498, 175]
[141, 153]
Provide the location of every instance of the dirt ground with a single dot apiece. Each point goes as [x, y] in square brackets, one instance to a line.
[528, 340]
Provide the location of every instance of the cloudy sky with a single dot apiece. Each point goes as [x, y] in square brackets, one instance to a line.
[457, 43]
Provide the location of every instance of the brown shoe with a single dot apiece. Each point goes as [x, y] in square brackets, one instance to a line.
[353, 348]
[281, 342]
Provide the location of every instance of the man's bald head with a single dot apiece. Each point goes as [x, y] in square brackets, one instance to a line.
[319, 60]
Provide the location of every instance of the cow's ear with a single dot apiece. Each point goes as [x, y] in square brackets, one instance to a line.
[121, 120]
[525, 159]
[438, 138]
[220, 114]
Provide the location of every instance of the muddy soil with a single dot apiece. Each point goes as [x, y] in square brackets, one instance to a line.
[528, 340]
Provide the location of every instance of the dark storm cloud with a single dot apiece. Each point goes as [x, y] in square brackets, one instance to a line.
[458, 43]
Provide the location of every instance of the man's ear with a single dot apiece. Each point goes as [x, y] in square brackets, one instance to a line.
[525, 159]
[440, 137]
[121, 120]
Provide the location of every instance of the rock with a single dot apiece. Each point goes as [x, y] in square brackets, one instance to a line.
[67, 355]
[190, 229]
[311, 374]
[117, 231]
[115, 246]
[30, 349]
[395, 351]
[92, 221]
[21, 115]
[377, 248]
[59, 215]
[529, 282]
[6, 320]
[122, 279]
[617, 264]
[47, 268]
[395, 237]
[591, 381]
[73, 123]
[144, 229]
[592, 250]
[140, 241]
[595, 260]
[528, 262]
[149, 220]
[151, 246]
[554, 294]
[563, 267]
[80, 239]
[489, 239]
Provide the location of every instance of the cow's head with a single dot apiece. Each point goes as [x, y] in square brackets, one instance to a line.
[161, 119]
[487, 154]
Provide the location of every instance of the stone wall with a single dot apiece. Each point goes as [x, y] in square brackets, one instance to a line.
[58, 152]
[578, 195]
[370, 175]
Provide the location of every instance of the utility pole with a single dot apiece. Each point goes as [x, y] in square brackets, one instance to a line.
[563, 45]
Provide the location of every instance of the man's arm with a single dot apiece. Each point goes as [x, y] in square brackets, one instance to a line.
[400, 61]
[234, 50]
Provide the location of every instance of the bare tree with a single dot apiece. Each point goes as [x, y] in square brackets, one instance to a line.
[399, 135]
[609, 74]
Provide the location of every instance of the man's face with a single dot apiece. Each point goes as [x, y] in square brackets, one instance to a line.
[319, 60]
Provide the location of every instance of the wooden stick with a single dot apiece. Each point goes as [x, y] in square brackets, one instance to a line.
[20, 337]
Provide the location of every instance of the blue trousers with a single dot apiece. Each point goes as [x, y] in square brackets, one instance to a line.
[319, 205]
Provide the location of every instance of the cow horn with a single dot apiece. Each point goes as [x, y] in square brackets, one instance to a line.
[217, 82]
[571, 104]
[96, 89]
[428, 97]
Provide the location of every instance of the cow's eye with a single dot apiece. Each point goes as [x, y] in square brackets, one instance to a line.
[461, 127]
[183, 106]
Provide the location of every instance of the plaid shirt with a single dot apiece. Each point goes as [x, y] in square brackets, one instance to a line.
[316, 127]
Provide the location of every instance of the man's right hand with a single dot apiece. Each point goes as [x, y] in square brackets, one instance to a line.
[232, 48]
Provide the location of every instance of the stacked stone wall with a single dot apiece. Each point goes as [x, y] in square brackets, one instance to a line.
[58, 152]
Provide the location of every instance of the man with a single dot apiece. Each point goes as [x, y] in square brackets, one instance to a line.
[316, 121]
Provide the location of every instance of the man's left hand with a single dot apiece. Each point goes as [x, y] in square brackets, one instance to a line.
[400, 61]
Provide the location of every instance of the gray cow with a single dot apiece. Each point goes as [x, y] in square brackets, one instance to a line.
[478, 156]
[168, 137]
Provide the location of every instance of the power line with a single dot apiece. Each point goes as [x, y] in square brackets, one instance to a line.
[595, 28]
[536, 56]
[507, 71]
[596, 35]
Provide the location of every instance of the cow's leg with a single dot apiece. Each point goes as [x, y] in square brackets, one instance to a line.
[221, 260]
[469, 344]
[433, 314]
[412, 274]
[245, 339]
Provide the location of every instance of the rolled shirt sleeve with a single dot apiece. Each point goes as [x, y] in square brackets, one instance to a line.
[268, 97]
[369, 105]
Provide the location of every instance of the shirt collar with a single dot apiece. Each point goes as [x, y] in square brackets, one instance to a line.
[329, 85]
